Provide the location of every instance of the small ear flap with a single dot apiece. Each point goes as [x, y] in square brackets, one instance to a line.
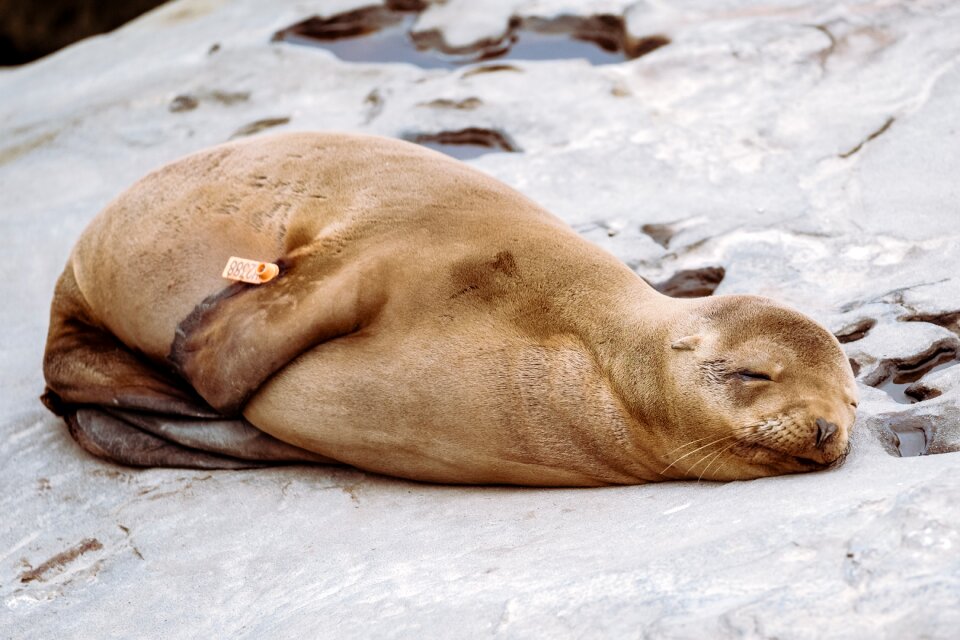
[686, 343]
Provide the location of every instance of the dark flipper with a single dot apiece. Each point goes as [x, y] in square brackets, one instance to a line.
[238, 337]
[86, 365]
[235, 438]
[122, 407]
[110, 437]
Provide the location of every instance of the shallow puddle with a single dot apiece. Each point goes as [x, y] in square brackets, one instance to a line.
[897, 386]
[378, 34]
[896, 391]
[391, 43]
[459, 151]
[529, 45]
[910, 442]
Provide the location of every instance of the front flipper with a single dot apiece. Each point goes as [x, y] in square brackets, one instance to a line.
[235, 339]
[120, 406]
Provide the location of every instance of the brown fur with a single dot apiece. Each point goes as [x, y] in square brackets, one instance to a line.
[430, 323]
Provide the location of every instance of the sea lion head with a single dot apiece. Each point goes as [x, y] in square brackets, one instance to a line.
[762, 390]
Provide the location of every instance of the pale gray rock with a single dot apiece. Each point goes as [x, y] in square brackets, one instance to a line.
[808, 148]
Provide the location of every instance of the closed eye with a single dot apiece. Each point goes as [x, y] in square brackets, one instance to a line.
[748, 376]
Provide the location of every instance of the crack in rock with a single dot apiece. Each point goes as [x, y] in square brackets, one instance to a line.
[872, 136]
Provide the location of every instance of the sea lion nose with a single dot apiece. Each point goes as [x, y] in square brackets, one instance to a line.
[825, 431]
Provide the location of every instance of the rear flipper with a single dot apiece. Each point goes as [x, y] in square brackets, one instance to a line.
[114, 439]
[151, 440]
[120, 406]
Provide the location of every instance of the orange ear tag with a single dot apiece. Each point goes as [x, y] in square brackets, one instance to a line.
[250, 271]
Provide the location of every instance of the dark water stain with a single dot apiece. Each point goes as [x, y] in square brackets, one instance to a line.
[183, 103]
[660, 233]
[385, 34]
[259, 125]
[692, 283]
[228, 97]
[61, 560]
[189, 102]
[856, 331]
[11, 153]
[855, 367]
[949, 320]
[467, 104]
[464, 144]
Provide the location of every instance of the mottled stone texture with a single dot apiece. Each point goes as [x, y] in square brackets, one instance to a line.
[806, 151]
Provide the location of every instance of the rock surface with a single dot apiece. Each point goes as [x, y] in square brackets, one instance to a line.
[810, 149]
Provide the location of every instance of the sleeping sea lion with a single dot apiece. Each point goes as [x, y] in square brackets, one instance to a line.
[427, 322]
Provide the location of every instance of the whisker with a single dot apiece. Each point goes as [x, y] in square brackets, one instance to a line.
[710, 454]
[694, 451]
[715, 458]
[687, 444]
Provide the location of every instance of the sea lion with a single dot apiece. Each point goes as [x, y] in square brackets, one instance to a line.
[427, 322]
